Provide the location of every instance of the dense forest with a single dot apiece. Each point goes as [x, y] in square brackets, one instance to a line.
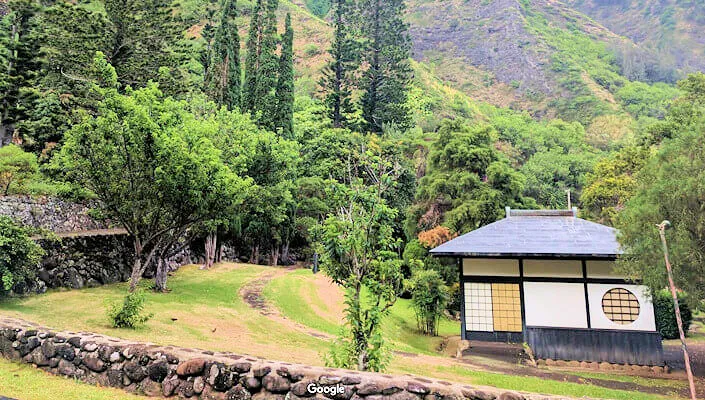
[352, 130]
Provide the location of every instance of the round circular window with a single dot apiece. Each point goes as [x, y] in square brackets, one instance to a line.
[620, 306]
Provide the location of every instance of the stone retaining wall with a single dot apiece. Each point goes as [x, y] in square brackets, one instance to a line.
[75, 262]
[50, 213]
[171, 371]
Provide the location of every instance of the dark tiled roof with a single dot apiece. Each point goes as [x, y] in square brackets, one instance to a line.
[528, 233]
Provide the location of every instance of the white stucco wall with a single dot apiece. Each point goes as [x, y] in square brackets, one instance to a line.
[554, 304]
[598, 319]
[553, 268]
[490, 267]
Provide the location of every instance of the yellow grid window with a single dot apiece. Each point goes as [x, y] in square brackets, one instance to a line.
[506, 307]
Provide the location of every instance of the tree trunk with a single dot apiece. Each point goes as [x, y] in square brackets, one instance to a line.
[274, 255]
[161, 275]
[285, 253]
[362, 361]
[211, 242]
[136, 274]
[254, 255]
[219, 251]
[3, 134]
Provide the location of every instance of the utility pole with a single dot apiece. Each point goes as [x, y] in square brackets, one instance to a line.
[662, 231]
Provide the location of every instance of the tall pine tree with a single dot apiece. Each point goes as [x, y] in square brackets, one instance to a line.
[285, 84]
[338, 74]
[253, 47]
[388, 74]
[146, 37]
[265, 91]
[261, 64]
[223, 75]
[21, 62]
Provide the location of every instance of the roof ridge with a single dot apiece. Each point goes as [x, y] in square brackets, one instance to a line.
[542, 213]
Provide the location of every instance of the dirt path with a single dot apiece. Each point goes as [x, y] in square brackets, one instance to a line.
[251, 293]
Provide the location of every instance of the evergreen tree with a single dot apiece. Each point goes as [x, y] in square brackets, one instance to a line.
[21, 62]
[261, 64]
[337, 75]
[145, 43]
[386, 53]
[285, 85]
[70, 35]
[223, 73]
[265, 90]
[253, 47]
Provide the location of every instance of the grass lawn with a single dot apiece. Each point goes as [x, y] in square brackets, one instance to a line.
[24, 382]
[287, 292]
[668, 383]
[211, 314]
[207, 307]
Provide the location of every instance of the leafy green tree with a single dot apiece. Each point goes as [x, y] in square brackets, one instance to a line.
[360, 253]
[386, 52]
[551, 173]
[19, 255]
[223, 75]
[16, 167]
[612, 183]
[337, 80]
[670, 187]
[468, 183]
[266, 217]
[153, 168]
[429, 297]
[686, 110]
[285, 84]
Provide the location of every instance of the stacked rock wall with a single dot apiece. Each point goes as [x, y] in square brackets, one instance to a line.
[79, 261]
[171, 371]
[50, 213]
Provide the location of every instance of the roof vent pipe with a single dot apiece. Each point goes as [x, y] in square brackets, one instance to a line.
[575, 212]
[508, 210]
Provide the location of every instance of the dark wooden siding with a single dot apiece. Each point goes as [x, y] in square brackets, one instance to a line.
[596, 345]
[506, 337]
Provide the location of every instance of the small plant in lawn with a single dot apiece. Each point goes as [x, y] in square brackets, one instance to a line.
[130, 312]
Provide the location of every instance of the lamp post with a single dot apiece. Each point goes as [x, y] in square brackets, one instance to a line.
[662, 231]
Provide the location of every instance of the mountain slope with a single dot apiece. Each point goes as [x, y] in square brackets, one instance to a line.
[674, 29]
[542, 55]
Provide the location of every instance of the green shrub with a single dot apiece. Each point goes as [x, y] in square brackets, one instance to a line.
[319, 7]
[666, 317]
[454, 299]
[312, 49]
[429, 297]
[130, 312]
[19, 254]
[16, 168]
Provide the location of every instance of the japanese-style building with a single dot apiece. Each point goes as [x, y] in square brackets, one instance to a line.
[547, 278]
